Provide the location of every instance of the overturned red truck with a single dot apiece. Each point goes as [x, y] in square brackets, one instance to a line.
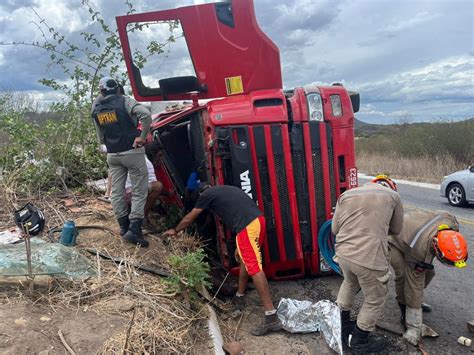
[292, 151]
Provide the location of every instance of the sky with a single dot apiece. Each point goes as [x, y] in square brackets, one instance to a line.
[409, 60]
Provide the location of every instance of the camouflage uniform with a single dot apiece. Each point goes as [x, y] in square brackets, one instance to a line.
[129, 161]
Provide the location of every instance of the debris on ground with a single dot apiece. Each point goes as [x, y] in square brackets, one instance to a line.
[233, 348]
[307, 317]
[94, 314]
[464, 341]
[46, 259]
[470, 326]
[10, 236]
[427, 331]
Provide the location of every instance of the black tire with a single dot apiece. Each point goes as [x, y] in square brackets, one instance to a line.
[456, 195]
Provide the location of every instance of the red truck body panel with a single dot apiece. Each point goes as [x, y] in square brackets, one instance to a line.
[218, 49]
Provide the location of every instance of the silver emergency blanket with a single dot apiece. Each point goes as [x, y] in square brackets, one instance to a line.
[10, 236]
[307, 317]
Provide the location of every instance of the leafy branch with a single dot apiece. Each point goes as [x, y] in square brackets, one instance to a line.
[67, 138]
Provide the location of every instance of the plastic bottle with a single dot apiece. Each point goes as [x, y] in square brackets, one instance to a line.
[68, 234]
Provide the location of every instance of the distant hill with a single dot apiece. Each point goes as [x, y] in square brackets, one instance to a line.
[366, 129]
[41, 117]
[363, 129]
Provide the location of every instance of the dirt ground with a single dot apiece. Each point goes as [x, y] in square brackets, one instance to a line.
[30, 328]
[313, 289]
[239, 327]
[94, 315]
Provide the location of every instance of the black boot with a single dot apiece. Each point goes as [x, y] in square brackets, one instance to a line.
[346, 326]
[134, 234]
[426, 308]
[360, 342]
[238, 302]
[124, 224]
[403, 310]
[270, 324]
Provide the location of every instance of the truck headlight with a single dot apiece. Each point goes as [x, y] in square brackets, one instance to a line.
[315, 106]
[336, 105]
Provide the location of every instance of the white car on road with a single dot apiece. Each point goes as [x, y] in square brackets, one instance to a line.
[458, 187]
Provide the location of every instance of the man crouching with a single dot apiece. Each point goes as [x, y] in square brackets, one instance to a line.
[239, 212]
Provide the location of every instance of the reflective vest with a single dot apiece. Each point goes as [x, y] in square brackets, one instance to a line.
[119, 129]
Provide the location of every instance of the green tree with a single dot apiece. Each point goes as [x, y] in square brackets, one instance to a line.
[69, 142]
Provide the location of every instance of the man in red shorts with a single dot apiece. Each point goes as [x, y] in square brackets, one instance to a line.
[239, 212]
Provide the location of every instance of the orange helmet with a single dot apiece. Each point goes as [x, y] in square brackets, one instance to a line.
[450, 248]
[384, 180]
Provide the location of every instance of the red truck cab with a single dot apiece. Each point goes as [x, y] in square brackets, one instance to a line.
[291, 151]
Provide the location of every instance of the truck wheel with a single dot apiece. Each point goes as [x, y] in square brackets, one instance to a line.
[456, 195]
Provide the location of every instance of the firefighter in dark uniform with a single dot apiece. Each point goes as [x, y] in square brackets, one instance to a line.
[116, 118]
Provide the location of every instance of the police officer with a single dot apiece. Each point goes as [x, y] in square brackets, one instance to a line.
[362, 220]
[425, 234]
[116, 118]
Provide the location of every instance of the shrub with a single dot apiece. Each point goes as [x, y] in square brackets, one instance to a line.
[33, 152]
[425, 151]
[189, 271]
[423, 140]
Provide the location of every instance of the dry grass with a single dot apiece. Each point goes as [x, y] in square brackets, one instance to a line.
[163, 321]
[162, 324]
[423, 169]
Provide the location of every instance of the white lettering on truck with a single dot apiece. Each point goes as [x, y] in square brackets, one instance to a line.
[245, 183]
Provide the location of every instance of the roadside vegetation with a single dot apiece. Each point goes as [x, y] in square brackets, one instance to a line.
[59, 152]
[47, 158]
[60, 146]
[418, 151]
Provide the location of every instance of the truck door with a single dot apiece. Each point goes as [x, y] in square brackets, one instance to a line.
[229, 53]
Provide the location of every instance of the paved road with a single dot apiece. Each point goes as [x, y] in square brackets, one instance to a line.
[451, 294]
[420, 197]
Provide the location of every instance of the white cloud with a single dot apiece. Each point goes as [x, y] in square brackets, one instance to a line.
[62, 15]
[446, 79]
[45, 98]
[406, 24]
[370, 109]
[403, 56]
[19, 24]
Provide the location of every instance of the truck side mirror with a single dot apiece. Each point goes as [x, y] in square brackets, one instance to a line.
[355, 100]
[142, 89]
[180, 85]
